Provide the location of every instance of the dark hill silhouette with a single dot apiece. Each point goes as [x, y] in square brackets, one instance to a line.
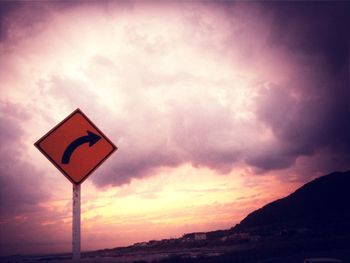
[314, 220]
[323, 200]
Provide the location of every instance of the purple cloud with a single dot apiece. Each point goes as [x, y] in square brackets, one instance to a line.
[219, 85]
[17, 191]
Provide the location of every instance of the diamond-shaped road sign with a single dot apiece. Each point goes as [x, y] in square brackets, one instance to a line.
[76, 146]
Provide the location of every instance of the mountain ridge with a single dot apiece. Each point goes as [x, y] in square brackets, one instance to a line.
[321, 200]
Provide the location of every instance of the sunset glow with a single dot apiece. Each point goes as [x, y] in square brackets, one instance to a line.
[214, 111]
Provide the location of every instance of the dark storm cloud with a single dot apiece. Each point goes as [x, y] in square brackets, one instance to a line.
[313, 28]
[306, 112]
[29, 16]
[134, 165]
[18, 194]
[5, 9]
[313, 112]
[24, 15]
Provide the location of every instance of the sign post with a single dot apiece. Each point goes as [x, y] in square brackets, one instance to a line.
[76, 222]
[76, 147]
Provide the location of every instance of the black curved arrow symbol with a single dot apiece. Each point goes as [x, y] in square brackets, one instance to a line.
[90, 138]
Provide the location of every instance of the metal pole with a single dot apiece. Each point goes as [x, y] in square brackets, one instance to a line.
[76, 222]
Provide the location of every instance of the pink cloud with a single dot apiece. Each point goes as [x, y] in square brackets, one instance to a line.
[214, 85]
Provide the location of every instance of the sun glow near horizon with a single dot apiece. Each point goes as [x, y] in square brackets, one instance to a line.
[168, 204]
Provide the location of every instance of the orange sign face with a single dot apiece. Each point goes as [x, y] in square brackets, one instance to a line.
[76, 147]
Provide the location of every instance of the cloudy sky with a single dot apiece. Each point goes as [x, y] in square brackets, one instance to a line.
[216, 108]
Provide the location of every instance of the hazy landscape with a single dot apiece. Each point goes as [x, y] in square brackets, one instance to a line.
[174, 131]
[314, 221]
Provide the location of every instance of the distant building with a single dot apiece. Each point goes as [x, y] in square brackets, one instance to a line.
[195, 236]
[140, 244]
[200, 236]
